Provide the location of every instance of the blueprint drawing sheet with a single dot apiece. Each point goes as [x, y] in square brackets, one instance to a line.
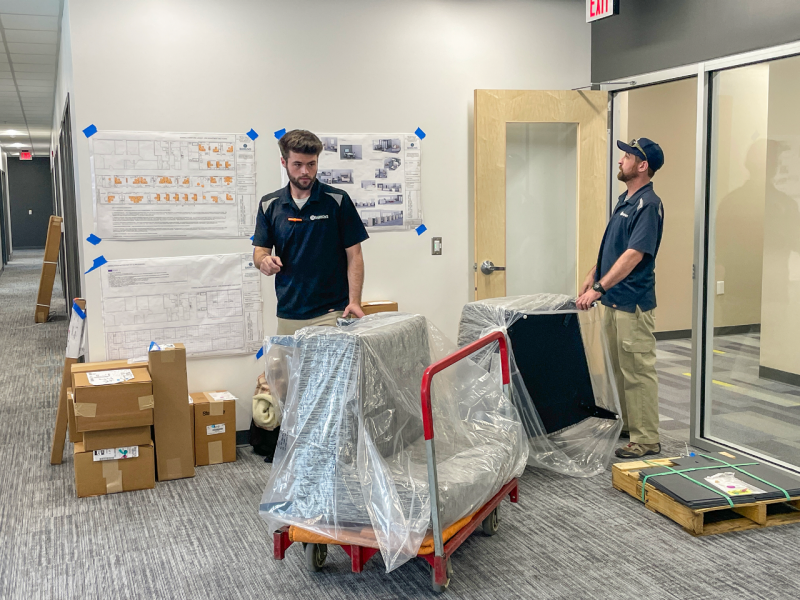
[211, 304]
[156, 185]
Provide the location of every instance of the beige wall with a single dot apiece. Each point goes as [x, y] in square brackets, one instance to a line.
[667, 114]
[739, 146]
[780, 314]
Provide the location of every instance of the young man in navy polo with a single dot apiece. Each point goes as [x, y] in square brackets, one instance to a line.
[308, 235]
[624, 281]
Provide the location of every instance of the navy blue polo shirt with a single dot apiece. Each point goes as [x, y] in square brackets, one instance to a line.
[311, 243]
[637, 224]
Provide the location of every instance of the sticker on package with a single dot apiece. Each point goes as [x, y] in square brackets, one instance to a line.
[732, 485]
[215, 429]
[109, 377]
[116, 453]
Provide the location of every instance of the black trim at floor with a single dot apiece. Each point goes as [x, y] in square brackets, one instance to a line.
[685, 334]
[243, 438]
[779, 376]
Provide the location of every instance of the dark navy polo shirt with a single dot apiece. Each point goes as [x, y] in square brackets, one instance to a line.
[637, 224]
[311, 244]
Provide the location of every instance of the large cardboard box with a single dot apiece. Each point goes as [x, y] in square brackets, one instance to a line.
[116, 438]
[120, 405]
[214, 427]
[74, 434]
[49, 264]
[100, 477]
[172, 419]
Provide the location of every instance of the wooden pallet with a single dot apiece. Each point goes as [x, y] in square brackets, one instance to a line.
[703, 521]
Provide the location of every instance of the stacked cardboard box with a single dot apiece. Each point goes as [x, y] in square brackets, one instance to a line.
[111, 411]
[214, 427]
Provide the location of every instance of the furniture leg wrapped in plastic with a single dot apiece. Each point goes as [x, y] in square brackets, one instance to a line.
[562, 382]
[351, 458]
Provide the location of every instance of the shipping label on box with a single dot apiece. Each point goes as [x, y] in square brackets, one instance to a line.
[116, 453]
[215, 429]
[109, 377]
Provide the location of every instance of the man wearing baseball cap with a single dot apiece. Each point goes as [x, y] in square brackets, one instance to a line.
[624, 281]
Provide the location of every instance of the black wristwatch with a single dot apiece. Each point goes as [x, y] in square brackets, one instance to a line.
[598, 288]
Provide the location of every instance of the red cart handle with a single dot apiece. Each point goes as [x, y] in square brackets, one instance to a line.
[441, 365]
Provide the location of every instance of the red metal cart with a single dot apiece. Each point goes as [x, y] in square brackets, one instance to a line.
[486, 517]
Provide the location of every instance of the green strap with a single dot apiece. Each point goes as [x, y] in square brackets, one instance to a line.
[682, 472]
[769, 483]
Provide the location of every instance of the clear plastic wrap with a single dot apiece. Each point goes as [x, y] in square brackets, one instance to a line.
[351, 460]
[582, 434]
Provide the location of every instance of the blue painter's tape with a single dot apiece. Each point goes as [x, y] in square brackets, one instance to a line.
[153, 346]
[93, 239]
[420, 134]
[280, 133]
[252, 134]
[421, 229]
[98, 262]
[251, 237]
[260, 353]
[77, 309]
[90, 131]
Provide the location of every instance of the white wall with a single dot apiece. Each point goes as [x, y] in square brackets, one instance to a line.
[345, 66]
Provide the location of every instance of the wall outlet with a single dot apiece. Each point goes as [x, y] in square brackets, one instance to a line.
[436, 246]
[720, 288]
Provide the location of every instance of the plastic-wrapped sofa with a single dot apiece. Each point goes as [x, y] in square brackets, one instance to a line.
[562, 382]
[351, 460]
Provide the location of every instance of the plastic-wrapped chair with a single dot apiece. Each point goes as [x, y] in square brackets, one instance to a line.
[351, 458]
[562, 381]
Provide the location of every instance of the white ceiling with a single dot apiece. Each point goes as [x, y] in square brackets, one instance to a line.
[30, 32]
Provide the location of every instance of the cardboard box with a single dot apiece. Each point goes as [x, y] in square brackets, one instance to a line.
[48, 277]
[214, 428]
[113, 406]
[100, 477]
[106, 365]
[74, 434]
[172, 419]
[116, 438]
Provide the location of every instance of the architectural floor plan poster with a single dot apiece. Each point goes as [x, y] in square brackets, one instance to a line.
[154, 185]
[380, 172]
[211, 304]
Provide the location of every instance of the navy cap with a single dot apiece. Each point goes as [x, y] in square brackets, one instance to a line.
[645, 149]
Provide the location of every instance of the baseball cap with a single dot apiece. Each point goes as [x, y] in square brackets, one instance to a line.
[646, 149]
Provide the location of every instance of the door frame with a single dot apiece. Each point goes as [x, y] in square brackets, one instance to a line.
[493, 110]
[704, 234]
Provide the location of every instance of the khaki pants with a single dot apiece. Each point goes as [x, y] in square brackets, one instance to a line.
[288, 326]
[633, 357]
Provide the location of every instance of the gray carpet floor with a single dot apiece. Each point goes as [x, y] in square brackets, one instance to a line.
[202, 537]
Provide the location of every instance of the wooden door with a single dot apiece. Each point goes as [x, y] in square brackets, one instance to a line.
[494, 111]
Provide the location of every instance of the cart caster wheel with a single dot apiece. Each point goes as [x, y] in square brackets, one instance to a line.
[315, 556]
[441, 588]
[491, 522]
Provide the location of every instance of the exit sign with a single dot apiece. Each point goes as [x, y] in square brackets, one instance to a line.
[24, 155]
[600, 9]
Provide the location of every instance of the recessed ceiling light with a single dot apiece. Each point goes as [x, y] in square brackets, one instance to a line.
[11, 132]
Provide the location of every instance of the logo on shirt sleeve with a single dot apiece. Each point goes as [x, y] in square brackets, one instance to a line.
[318, 217]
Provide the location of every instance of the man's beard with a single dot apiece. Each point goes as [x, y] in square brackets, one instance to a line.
[624, 177]
[298, 184]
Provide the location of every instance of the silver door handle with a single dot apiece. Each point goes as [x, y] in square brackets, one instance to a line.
[487, 267]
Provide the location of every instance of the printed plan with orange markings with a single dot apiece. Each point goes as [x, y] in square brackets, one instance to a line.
[153, 185]
[212, 304]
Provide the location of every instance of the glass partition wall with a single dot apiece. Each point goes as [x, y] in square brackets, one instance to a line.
[742, 180]
[753, 398]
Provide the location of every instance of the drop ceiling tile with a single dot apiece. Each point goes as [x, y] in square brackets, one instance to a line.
[28, 68]
[48, 23]
[34, 85]
[31, 37]
[6, 75]
[6, 67]
[43, 76]
[39, 59]
[31, 7]
[19, 48]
